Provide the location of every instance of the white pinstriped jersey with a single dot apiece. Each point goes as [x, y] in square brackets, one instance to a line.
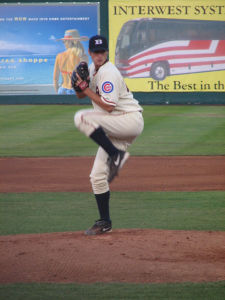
[110, 85]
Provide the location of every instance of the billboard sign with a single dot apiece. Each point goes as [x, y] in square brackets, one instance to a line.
[172, 46]
[40, 44]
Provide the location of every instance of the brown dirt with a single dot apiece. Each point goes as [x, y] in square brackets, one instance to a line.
[161, 173]
[121, 256]
[133, 255]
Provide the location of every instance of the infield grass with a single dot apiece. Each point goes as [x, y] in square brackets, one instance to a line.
[48, 130]
[59, 212]
[114, 291]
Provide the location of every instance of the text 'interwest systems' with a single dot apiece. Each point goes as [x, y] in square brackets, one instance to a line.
[148, 10]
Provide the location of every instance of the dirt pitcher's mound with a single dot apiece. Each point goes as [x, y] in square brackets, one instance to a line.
[121, 256]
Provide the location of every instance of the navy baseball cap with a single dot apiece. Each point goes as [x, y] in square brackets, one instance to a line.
[98, 43]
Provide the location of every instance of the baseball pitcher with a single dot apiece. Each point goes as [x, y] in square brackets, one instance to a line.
[113, 123]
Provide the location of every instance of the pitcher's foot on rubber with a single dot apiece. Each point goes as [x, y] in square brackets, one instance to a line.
[100, 227]
[115, 163]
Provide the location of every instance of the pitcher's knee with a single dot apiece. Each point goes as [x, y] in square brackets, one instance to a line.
[78, 118]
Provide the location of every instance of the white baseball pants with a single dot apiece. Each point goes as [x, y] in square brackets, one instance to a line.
[121, 128]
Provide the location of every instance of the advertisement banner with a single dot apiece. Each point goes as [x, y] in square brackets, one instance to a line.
[169, 46]
[41, 44]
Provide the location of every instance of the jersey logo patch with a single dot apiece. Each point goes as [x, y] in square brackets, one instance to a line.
[107, 87]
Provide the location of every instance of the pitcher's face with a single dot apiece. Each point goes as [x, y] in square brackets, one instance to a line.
[99, 58]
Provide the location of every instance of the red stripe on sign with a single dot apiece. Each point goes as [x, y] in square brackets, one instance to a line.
[202, 63]
[193, 45]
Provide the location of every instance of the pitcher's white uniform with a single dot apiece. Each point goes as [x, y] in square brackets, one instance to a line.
[122, 125]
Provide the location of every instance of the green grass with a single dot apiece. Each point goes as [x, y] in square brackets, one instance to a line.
[114, 291]
[183, 131]
[59, 212]
[48, 130]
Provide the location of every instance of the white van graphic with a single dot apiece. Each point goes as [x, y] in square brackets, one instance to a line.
[159, 48]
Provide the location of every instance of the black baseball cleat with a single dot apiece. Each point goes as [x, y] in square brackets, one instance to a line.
[100, 227]
[115, 163]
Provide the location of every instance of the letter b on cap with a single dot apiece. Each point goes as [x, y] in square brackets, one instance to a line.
[98, 42]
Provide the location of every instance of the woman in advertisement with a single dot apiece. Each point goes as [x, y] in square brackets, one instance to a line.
[66, 61]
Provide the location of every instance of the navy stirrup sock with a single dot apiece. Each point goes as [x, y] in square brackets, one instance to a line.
[103, 205]
[102, 140]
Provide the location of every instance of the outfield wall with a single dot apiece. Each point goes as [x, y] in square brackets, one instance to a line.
[214, 98]
[144, 98]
